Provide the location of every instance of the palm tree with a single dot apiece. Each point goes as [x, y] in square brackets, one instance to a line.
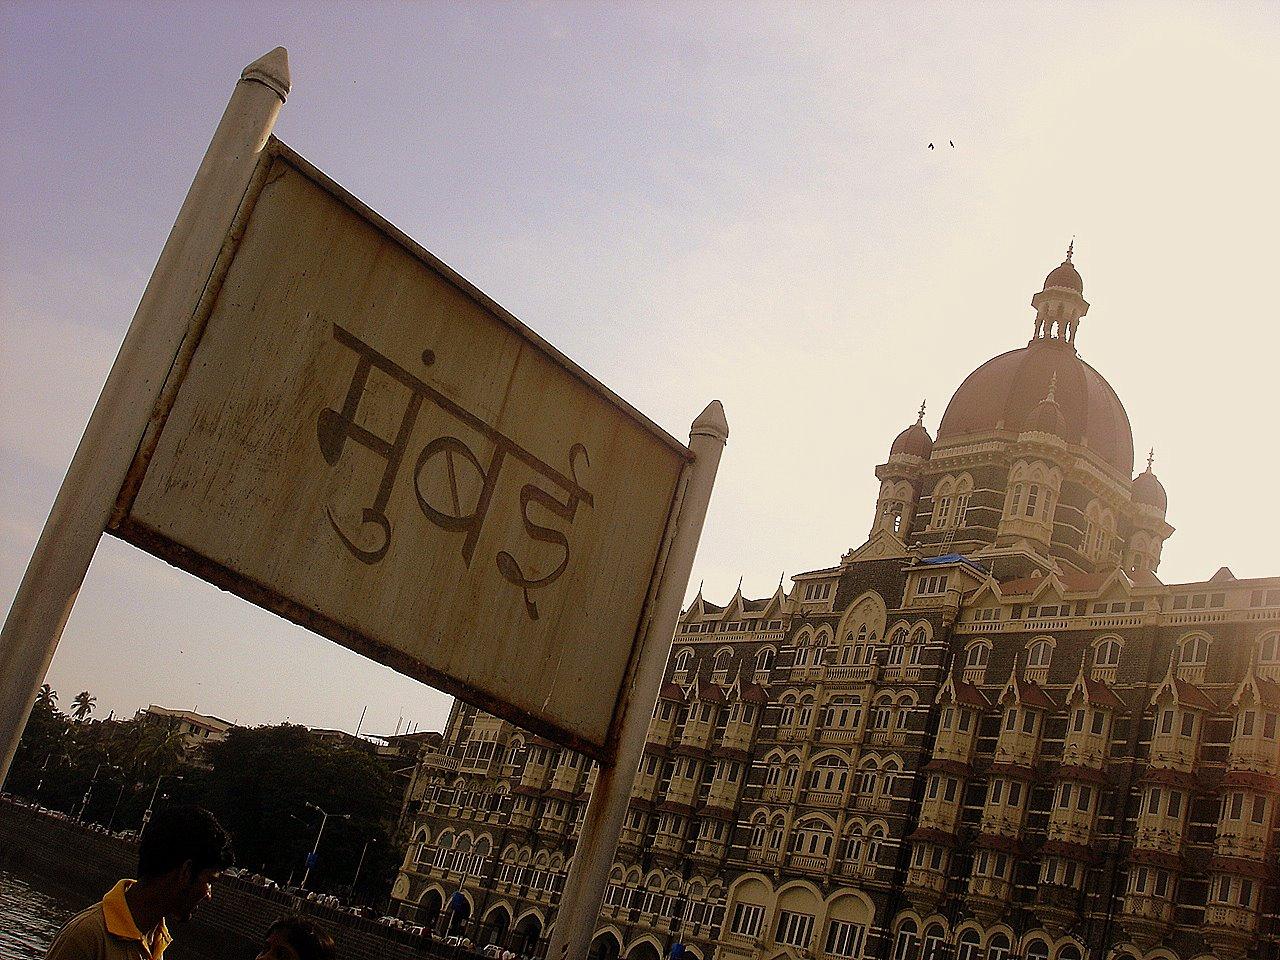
[82, 705]
[47, 697]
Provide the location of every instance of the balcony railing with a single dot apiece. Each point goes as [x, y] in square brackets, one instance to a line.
[858, 871]
[823, 798]
[855, 672]
[810, 862]
[837, 735]
[866, 801]
[1150, 909]
[1220, 915]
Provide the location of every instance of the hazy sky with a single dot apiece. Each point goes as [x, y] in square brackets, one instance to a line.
[728, 200]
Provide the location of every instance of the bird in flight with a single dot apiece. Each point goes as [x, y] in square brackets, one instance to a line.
[931, 146]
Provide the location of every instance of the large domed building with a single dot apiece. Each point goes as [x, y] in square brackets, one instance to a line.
[987, 732]
[1032, 468]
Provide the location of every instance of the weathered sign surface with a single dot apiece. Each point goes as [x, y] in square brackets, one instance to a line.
[359, 440]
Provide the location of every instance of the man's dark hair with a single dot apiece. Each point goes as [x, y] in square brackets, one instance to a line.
[178, 834]
[306, 937]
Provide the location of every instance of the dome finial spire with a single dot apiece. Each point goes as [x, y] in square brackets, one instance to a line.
[920, 415]
[1071, 249]
[1151, 458]
[1053, 385]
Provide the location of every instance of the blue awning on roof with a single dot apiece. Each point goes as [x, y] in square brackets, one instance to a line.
[954, 558]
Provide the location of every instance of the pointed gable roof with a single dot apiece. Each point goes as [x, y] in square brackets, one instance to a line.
[881, 545]
[1094, 692]
[1184, 694]
[1026, 693]
[1264, 692]
[963, 693]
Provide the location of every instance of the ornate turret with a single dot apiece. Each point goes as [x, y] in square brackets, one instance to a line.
[1060, 304]
[915, 440]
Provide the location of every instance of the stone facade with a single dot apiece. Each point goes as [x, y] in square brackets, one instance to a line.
[989, 732]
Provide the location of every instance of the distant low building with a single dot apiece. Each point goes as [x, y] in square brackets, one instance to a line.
[196, 729]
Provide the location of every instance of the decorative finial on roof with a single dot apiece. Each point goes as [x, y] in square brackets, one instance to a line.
[739, 584]
[1071, 248]
[1151, 458]
[920, 415]
[1053, 385]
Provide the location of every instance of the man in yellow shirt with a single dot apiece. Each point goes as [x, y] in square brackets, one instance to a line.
[183, 849]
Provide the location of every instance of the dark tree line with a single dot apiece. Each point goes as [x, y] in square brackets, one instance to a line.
[263, 784]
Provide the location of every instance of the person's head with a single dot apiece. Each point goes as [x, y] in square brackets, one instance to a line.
[297, 938]
[182, 851]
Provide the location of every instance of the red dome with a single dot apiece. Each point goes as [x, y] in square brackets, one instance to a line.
[1065, 275]
[914, 440]
[1003, 393]
[1047, 417]
[1147, 489]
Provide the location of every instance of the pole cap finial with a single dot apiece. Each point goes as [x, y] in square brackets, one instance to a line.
[711, 422]
[920, 415]
[271, 70]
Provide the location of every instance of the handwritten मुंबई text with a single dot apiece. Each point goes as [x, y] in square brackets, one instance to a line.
[440, 495]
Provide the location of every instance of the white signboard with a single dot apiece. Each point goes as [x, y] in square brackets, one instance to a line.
[359, 440]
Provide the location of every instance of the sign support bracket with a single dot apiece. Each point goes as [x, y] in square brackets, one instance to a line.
[602, 823]
[98, 470]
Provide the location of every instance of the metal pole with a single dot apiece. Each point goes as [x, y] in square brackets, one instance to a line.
[116, 808]
[324, 818]
[589, 873]
[359, 865]
[101, 463]
[84, 801]
[146, 814]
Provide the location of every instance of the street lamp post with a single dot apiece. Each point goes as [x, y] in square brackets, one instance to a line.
[84, 804]
[311, 857]
[146, 816]
[360, 864]
[116, 808]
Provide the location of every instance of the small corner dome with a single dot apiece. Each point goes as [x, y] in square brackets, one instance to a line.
[1046, 417]
[913, 441]
[1065, 275]
[1150, 491]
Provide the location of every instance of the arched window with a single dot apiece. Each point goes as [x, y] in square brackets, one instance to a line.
[906, 946]
[976, 655]
[1107, 653]
[759, 827]
[1194, 650]
[942, 501]
[724, 657]
[829, 775]
[1037, 950]
[935, 940]
[964, 489]
[999, 947]
[682, 660]
[812, 838]
[1040, 653]
[1269, 649]
[1069, 952]
[970, 946]
[764, 659]
[875, 837]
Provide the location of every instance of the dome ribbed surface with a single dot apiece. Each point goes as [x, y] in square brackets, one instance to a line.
[1065, 275]
[1147, 489]
[914, 440]
[1002, 394]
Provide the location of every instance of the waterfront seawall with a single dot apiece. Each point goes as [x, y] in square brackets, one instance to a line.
[84, 864]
